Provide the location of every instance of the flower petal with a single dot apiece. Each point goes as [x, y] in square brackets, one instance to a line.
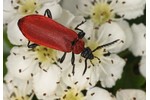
[130, 94]
[20, 65]
[66, 18]
[6, 16]
[108, 33]
[69, 5]
[138, 46]
[7, 5]
[84, 7]
[55, 9]
[49, 1]
[79, 80]
[128, 32]
[99, 93]
[14, 34]
[45, 83]
[130, 9]
[111, 70]
[5, 92]
[20, 88]
[143, 66]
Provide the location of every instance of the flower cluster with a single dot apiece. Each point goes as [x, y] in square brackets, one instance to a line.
[38, 72]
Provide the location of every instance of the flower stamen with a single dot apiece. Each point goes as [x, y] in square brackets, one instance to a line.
[101, 12]
[72, 94]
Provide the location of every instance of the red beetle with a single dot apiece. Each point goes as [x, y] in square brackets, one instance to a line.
[46, 32]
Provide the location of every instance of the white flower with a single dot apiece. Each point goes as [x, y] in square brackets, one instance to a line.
[110, 65]
[101, 11]
[39, 64]
[17, 89]
[142, 66]
[138, 46]
[24, 63]
[15, 9]
[131, 94]
[73, 93]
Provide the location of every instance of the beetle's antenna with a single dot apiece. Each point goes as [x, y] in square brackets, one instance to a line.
[105, 45]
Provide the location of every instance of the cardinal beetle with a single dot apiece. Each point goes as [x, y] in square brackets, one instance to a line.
[44, 31]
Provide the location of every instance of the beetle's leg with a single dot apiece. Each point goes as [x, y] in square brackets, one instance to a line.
[48, 13]
[85, 66]
[81, 33]
[31, 45]
[77, 27]
[72, 62]
[62, 58]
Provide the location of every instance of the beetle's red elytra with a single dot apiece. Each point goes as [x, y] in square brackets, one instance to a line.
[44, 31]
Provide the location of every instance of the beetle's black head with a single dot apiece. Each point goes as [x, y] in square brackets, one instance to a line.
[87, 53]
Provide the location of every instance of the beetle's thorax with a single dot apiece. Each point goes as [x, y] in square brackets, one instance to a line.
[77, 46]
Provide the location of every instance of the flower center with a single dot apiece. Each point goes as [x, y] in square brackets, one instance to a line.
[101, 12]
[72, 94]
[98, 53]
[28, 6]
[20, 95]
[20, 98]
[46, 54]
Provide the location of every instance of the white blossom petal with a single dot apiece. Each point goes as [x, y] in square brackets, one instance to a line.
[45, 83]
[108, 33]
[49, 1]
[99, 93]
[87, 27]
[14, 34]
[138, 46]
[6, 16]
[19, 65]
[111, 70]
[55, 9]
[130, 9]
[131, 94]
[71, 21]
[17, 88]
[128, 32]
[5, 92]
[69, 5]
[79, 80]
[84, 7]
[66, 18]
[7, 5]
[142, 66]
